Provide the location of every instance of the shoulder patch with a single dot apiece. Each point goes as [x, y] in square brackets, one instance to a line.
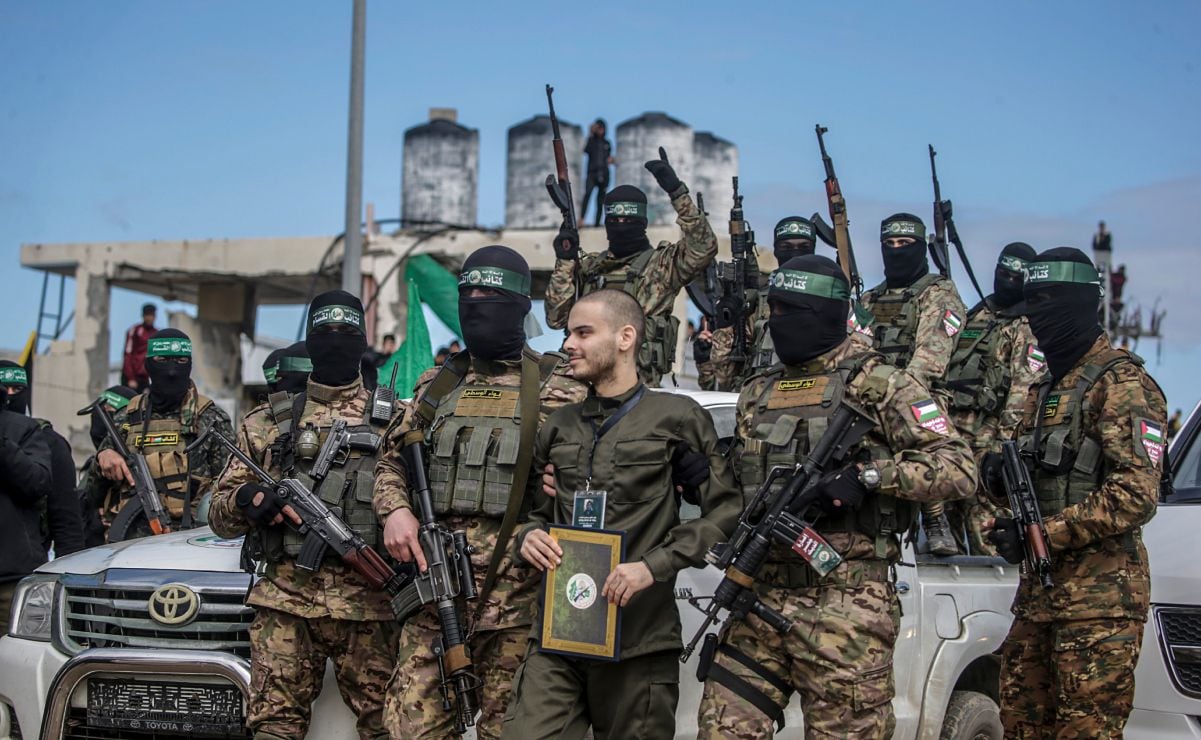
[1035, 359]
[951, 323]
[930, 417]
[1150, 434]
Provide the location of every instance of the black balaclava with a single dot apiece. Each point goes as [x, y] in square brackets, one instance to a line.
[788, 231]
[903, 266]
[815, 298]
[116, 398]
[337, 338]
[13, 375]
[271, 369]
[169, 377]
[494, 326]
[628, 238]
[1007, 279]
[1063, 294]
[294, 368]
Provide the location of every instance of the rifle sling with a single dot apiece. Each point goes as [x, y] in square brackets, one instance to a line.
[448, 378]
[528, 403]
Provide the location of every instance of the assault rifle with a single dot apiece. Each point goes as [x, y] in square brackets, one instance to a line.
[838, 237]
[447, 555]
[559, 187]
[778, 518]
[944, 228]
[731, 307]
[1020, 489]
[143, 482]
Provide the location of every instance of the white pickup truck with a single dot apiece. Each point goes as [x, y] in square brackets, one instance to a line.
[148, 639]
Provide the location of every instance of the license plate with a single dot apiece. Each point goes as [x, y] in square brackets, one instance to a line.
[196, 709]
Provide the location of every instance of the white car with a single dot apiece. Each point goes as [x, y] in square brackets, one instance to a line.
[103, 643]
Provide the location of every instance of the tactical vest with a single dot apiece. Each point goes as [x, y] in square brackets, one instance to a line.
[474, 442]
[895, 318]
[163, 442]
[657, 355]
[764, 350]
[347, 488]
[1068, 461]
[974, 381]
[790, 417]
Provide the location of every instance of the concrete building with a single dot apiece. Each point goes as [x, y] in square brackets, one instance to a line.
[531, 158]
[440, 172]
[638, 141]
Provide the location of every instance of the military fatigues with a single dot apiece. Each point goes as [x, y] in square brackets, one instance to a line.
[760, 354]
[1068, 664]
[302, 619]
[560, 697]
[995, 363]
[653, 277]
[839, 652]
[473, 448]
[181, 477]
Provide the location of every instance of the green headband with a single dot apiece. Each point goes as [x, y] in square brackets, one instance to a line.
[626, 208]
[271, 374]
[497, 278]
[894, 229]
[13, 376]
[810, 283]
[336, 315]
[169, 347]
[794, 230]
[295, 365]
[1011, 263]
[115, 400]
[1061, 272]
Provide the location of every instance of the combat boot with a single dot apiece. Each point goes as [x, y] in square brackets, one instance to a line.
[938, 533]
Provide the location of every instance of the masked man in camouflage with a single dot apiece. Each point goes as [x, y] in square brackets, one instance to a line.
[916, 318]
[479, 468]
[654, 276]
[159, 424]
[1095, 429]
[644, 449]
[302, 619]
[995, 362]
[838, 654]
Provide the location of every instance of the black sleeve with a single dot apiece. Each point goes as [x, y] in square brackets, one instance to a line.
[62, 508]
[24, 464]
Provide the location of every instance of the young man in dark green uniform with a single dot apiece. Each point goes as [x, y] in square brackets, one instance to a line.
[654, 446]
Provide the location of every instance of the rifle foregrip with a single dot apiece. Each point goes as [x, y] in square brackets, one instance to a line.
[774, 619]
[371, 566]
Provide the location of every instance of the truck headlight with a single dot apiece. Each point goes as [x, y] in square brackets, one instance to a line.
[33, 608]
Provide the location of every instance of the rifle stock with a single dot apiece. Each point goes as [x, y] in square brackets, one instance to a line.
[944, 230]
[838, 217]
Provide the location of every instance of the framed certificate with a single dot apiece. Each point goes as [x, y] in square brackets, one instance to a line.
[576, 619]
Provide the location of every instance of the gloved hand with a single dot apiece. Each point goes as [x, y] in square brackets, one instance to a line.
[664, 174]
[264, 513]
[567, 243]
[1007, 539]
[689, 469]
[990, 472]
[701, 350]
[840, 490]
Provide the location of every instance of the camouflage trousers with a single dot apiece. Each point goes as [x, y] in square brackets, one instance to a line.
[287, 666]
[970, 514]
[838, 655]
[413, 704]
[1068, 680]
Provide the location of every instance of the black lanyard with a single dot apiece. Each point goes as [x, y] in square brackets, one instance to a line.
[598, 432]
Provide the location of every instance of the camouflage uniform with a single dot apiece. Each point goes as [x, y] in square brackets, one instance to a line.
[999, 353]
[175, 471]
[497, 629]
[301, 619]
[728, 374]
[1068, 664]
[839, 652]
[657, 278]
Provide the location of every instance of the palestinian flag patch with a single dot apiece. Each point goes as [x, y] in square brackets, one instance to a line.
[863, 329]
[1151, 435]
[1035, 359]
[929, 416]
[951, 323]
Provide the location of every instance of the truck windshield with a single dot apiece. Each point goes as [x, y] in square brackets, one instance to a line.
[1186, 465]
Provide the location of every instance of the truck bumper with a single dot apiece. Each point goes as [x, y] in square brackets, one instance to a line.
[30, 667]
[1149, 725]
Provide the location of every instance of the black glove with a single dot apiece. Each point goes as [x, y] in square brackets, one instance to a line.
[689, 469]
[840, 490]
[990, 471]
[567, 243]
[701, 350]
[663, 172]
[1007, 539]
[262, 514]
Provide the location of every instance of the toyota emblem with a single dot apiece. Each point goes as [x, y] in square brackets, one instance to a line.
[173, 604]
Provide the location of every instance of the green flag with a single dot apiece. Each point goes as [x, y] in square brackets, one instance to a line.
[415, 355]
[439, 289]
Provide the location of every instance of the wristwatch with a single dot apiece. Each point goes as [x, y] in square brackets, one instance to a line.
[869, 476]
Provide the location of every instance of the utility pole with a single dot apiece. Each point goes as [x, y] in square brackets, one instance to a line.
[352, 254]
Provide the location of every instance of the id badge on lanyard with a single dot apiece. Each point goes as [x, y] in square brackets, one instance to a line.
[588, 505]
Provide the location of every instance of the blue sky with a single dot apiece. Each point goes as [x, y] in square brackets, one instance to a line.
[150, 120]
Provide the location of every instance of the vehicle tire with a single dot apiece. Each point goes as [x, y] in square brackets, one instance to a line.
[972, 716]
[130, 523]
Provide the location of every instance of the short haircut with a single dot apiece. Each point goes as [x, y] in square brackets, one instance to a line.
[621, 309]
[390, 336]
